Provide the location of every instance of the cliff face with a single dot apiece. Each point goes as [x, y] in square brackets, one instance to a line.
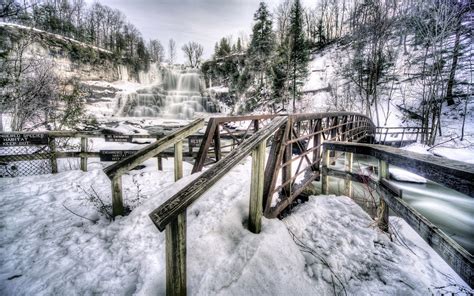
[71, 58]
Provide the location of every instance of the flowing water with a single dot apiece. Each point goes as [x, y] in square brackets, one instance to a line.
[178, 94]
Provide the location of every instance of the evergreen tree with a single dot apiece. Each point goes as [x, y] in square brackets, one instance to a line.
[298, 51]
[261, 48]
[239, 45]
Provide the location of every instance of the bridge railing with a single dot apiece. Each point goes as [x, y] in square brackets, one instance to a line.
[400, 136]
[453, 174]
[293, 138]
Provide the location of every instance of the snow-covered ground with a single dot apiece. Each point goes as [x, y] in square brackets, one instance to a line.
[327, 246]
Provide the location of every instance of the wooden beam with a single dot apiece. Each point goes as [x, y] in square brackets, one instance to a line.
[202, 154]
[324, 177]
[181, 200]
[176, 239]
[117, 201]
[176, 256]
[256, 188]
[84, 147]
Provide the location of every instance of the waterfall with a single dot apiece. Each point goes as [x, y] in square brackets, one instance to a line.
[177, 95]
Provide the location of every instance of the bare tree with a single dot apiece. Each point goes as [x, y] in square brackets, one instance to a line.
[157, 51]
[171, 51]
[193, 52]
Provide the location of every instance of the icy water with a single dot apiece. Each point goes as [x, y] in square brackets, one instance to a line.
[451, 211]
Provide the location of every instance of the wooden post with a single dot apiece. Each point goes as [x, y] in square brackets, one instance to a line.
[84, 144]
[160, 162]
[53, 159]
[348, 169]
[117, 202]
[176, 256]
[176, 239]
[324, 169]
[287, 155]
[256, 188]
[317, 141]
[217, 143]
[178, 161]
[382, 211]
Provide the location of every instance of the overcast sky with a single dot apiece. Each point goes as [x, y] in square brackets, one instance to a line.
[204, 21]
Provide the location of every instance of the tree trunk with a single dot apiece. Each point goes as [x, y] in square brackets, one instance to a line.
[452, 73]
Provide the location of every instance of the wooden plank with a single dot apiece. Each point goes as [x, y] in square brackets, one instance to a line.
[117, 201]
[84, 147]
[274, 160]
[217, 143]
[256, 188]
[175, 236]
[202, 154]
[287, 154]
[181, 200]
[153, 149]
[178, 160]
[453, 174]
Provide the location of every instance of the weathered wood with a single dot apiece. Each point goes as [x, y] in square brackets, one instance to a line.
[153, 149]
[453, 174]
[208, 136]
[117, 201]
[274, 160]
[178, 161]
[159, 161]
[53, 159]
[348, 169]
[287, 154]
[180, 201]
[84, 148]
[217, 143]
[382, 209]
[256, 188]
[324, 177]
[175, 236]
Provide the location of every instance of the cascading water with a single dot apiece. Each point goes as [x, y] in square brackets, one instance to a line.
[177, 96]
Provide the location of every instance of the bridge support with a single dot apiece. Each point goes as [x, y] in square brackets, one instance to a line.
[348, 169]
[256, 188]
[382, 210]
[176, 239]
[324, 170]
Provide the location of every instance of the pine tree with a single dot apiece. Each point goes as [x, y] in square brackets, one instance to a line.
[261, 47]
[298, 50]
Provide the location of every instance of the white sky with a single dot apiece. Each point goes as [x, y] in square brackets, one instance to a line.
[203, 21]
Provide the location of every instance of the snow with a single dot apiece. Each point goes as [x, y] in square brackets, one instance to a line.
[45, 249]
[57, 36]
[405, 176]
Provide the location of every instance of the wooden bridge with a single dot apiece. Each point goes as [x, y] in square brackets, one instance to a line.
[301, 149]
